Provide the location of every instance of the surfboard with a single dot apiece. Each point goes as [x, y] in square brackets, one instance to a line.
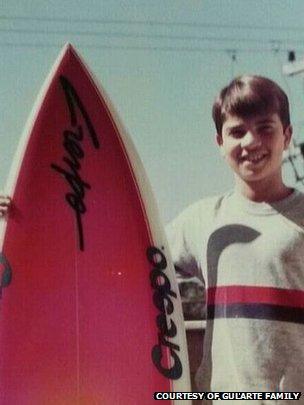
[89, 311]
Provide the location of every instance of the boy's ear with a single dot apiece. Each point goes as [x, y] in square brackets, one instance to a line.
[287, 135]
[219, 141]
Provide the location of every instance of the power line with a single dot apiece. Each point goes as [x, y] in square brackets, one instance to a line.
[152, 23]
[273, 42]
[229, 51]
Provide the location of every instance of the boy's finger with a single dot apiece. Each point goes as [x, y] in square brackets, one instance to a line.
[4, 208]
[5, 201]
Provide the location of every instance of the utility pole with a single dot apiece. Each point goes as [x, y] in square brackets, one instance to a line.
[293, 68]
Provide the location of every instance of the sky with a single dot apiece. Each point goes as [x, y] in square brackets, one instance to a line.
[162, 63]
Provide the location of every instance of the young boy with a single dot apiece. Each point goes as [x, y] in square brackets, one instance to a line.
[249, 247]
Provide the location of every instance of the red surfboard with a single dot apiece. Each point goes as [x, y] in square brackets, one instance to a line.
[89, 307]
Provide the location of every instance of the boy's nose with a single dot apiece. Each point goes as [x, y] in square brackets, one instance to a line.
[251, 140]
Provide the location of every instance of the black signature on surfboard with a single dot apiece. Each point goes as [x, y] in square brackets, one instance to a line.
[74, 153]
[166, 326]
[5, 273]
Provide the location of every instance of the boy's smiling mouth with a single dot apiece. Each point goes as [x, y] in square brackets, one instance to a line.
[254, 157]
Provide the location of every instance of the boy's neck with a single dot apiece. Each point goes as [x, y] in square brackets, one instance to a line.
[263, 191]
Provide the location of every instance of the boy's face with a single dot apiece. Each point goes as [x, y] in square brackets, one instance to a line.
[253, 146]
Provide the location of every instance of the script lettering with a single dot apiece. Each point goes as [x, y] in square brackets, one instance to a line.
[166, 326]
[74, 153]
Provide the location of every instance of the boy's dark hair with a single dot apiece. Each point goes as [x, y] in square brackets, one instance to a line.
[249, 95]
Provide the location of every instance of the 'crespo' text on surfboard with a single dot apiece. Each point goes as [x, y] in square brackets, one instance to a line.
[72, 138]
[166, 326]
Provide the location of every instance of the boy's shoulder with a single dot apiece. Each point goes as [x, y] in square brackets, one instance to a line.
[201, 211]
[293, 210]
[189, 231]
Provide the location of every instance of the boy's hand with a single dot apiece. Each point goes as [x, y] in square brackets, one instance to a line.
[5, 203]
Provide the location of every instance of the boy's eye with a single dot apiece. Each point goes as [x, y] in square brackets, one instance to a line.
[237, 133]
